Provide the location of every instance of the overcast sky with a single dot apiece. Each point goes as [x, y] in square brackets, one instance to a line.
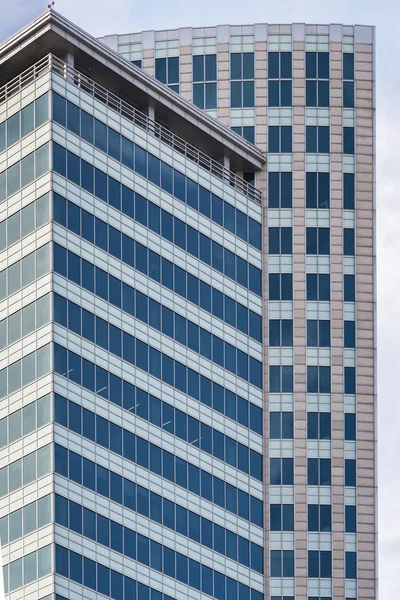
[101, 17]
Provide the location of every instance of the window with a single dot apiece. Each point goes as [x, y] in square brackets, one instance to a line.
[242, 80]
[350, 472]
[351, 565]
[350, 426]
[348, 242]
[280, 190]
[280, 138]
[318, 333]
[280, 286]
[348, 80]
[281, 425]
[319, 517]
[350, 519]
[348, 140]
[282, 563]
[319, 380]
[281, 517]
[23, 122]
[280, 240]
[317, 190]
[349, 334]
[247, 132]
[318, 425]
[349, 288]
[319, 471]
[318, 240]
[280, 332]
[319, 564]
[281, 379]
[317, 79]
[279, 79]
[317, 139]
[167, 71]
[281, 471]
[205, 81]
[348, 191]
[318, 287]
[137, 63]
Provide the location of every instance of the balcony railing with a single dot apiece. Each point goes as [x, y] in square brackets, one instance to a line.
[97, 91]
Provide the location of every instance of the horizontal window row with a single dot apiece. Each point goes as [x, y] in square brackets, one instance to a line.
[101, 579]
[318, 425]
[147, 165]
[25, 420]
[319, 380]
[23, 272]
[130, 543]
[23, 122]
[24, 172]
[145, 357]
[120, 392]
[199, 482]
[25, 470]
[168, 418]
[24, 321]
[109, 583]
[111, 240]
[25, 370]
[27, 569]
[153, 458]
[25, 520]
[161, 270]
[319, 518]
[158, 509]
[23, 222]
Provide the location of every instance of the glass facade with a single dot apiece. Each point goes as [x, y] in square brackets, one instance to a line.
[183, 370]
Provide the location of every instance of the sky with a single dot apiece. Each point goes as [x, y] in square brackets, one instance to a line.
[102, 17]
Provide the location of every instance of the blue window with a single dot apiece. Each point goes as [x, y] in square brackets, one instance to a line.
[281, 425]
[349, 288]
[351, 565]
[282, 517]
[317, 79]
[282, 563]
[167, 71]
[350, 519]
[317, 190]
[280, 240]
[280, 190]
[319, 564]
[281, 379]
[350, 472]
[279, 79]
[319, 471]
[318, 240]
[281, 471]
[280, 286]
[318, 425]
[318, 333]
[319, 517]
[205, 81]
[280, 332]
[348, 140]
[280, 138]
[318, 380]
[348, 191]
[246, 131]
[318, 287]
[348, 80]
[350, 426]
[317, 139]
[349, 334]
[348, 242]
[348, 94]
[242, 80]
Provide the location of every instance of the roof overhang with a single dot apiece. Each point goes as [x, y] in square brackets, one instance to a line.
[51, 32]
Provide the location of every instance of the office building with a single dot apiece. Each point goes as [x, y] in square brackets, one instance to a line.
[187, 313]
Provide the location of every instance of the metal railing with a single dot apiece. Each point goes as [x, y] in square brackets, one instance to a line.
[97, 91]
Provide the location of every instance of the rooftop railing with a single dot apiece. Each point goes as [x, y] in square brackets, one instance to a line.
[97, 91]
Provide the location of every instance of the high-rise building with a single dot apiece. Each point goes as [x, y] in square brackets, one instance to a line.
[187, 313]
